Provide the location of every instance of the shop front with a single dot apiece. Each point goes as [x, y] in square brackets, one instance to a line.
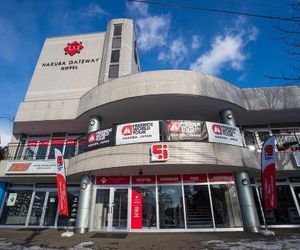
[179, 202]
[36, 206]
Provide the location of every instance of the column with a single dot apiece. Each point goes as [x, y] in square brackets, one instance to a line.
[244, 190]
[94, 123]
[84, 205]
[86, 188]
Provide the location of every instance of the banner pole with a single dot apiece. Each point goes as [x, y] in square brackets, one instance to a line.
[266, 232]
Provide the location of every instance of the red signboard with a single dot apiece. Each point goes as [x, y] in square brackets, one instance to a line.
[268, 168]
[31, 143]
[136, 210]
[167, 179]
[145, 179]
[220, 177]
[112, 180]
[57, 141]
[194, 178]
[159, 152]
[61, 184]
[71, 142]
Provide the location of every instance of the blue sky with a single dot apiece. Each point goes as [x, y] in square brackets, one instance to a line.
[238, 49]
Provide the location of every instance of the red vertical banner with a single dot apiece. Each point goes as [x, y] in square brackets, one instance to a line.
[136, 210]
[61, 184]
[268, 169]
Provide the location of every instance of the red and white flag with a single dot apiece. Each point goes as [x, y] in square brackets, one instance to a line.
[268, 169]
[61, 183]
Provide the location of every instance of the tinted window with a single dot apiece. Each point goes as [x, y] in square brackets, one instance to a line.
[115, 55]
[113, 71]
[118, 30]
[116, 43]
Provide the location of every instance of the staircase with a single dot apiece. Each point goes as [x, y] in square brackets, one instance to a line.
[198, 215]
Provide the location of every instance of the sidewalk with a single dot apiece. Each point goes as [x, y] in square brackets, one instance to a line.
[51, 239]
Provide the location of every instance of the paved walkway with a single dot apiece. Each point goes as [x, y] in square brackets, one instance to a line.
[12, 239]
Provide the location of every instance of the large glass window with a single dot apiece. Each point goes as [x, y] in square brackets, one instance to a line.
[70, 149]
[149, 205]
[286, 212]
[197, 205]
[225, 205]
[170, 207]
[16, 207]
[56, 143]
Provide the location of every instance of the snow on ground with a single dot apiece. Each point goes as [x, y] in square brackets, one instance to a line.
[282, 243]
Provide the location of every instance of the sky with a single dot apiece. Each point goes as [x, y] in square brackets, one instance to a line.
[239, 49]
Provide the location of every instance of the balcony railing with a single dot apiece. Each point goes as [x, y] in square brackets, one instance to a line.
[43, 149]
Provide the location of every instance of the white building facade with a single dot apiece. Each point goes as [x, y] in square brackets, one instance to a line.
[145, 151]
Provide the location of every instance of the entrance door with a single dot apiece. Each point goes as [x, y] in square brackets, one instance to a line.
[43, 209]
[38, 208]
[111, 209]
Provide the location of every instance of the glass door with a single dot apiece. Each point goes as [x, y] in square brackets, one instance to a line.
[50, 209]
[111, 209]
[37, 208]
[120, 208]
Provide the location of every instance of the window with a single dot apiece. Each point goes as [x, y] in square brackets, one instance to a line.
[113, 71]
[170, 207]
[116, 43]
[135, 53]
[115, 56]
[118, 30]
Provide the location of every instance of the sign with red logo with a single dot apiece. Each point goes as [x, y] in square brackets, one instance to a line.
[220, 177]
[223, 133]
[268, 168]
[159, 152]
[144, 179]
[61, 183]
[137, 132]
[185, 130]
[73, 48]
[127, 130]
[101, 138]
[194, 178]
[112, 180]
[167, 179]
[174, 126]
[136, 210]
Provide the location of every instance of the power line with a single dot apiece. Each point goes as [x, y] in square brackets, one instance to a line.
[287, 19]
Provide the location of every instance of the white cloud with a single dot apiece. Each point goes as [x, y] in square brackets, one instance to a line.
[136, 8]
[5, 133]
[94, 10]
[175, 54]
[227, 50]
[152, 31]
[91, 11]
[195, 42]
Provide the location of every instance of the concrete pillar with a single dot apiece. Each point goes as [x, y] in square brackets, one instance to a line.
[94, 123]
[84, 205]
[247, 203]
[244, 190]
[227, 117]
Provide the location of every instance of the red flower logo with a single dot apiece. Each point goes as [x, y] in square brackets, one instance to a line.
[73, 48]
